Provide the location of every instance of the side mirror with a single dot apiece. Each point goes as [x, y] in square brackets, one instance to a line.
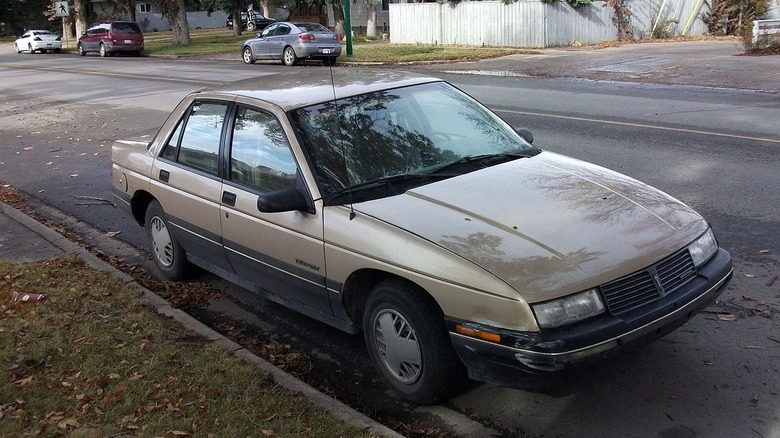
[526, 134]
[259, 35]
[289, 199]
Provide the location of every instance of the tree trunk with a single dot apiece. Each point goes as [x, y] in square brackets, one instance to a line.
[80, 15]
[266, 10]
[338, 18]
[371, 22]
[130, 5]
[236, 23]
[179, 25]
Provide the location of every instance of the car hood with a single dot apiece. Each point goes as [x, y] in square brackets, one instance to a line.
[548, 225]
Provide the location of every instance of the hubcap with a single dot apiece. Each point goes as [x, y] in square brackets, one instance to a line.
[162, 245]
[247, 55]
[396, 343]
[288, 56]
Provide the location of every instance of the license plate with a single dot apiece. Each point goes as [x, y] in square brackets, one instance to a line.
[128, 41]
[326, 51]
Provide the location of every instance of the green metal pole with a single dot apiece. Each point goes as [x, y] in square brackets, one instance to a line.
[348, 27]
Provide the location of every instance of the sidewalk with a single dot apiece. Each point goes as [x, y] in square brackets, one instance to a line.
[23, 239]
[719, 63]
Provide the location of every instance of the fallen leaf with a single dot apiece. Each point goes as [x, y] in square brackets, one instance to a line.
[754, 347]
[727, 316]
[179, 433]
[112, 233]
[69, 422]
[750, 276]
[754, 399]
[267, 432]
[74, 175]
[764, 251]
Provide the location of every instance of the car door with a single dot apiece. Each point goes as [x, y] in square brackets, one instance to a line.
[281, 253]
[277, 42]
[261, 46]
[185, 180]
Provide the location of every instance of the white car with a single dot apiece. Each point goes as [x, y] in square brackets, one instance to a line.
[41, 40]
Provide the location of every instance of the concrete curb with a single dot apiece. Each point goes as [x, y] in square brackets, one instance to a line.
[322, 401]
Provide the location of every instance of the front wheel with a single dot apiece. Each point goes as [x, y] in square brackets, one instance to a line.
[409, 345]
[166, 251]
[30, 49]
[81, 50]
[289, 57]
[246, 55]
[16, 47]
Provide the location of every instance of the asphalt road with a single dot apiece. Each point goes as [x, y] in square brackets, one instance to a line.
[713, 147]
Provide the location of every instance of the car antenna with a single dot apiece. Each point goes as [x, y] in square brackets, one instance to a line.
[341, 138]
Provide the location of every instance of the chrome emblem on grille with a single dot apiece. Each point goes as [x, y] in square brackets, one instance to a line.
[657, 281]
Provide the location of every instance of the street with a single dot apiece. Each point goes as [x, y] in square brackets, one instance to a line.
[715, 149]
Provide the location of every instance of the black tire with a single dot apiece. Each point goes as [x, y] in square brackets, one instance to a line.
[102, 50]
[16, 47]
[44, 50]
[81, 50]
[166, 251]
[399, 313]
[30, 49]
[289, 57]
[246, 55]
[331, 60]
[57, 50]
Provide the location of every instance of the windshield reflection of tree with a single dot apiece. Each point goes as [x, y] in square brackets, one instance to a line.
[380, 135]
[541, 272]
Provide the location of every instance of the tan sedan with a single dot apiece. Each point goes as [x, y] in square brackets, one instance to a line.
[397, 206]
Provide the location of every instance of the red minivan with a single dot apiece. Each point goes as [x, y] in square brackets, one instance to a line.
[109, 37]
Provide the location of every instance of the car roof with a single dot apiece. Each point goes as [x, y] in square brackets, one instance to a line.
[309, 86]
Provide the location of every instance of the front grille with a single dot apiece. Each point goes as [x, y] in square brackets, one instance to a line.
[650, 284]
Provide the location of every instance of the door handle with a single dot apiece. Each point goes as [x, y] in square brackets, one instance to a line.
[165, 175]
[229, 199]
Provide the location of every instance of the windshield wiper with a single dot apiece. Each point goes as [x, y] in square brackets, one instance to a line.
[388, 180]
[484, 159]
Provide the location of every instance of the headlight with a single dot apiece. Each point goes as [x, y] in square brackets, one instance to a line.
[703, 248]
[568, 309]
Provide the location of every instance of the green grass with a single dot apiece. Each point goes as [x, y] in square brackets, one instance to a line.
[92, 360]
[217, 41]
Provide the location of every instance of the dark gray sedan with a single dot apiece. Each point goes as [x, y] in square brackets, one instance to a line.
[292, 42]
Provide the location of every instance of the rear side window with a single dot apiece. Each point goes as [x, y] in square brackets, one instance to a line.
[195, 141]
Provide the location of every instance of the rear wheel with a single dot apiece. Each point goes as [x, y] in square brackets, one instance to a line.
[30, 49]
[409, 344]
[16, 47]
[81, 50]
[329, 60]
[166, 251]
[289, 57]
[57, 50]
[246, 55]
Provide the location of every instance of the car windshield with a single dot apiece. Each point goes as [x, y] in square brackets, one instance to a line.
[383, 143]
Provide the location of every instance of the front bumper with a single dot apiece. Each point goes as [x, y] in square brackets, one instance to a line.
[555, 350]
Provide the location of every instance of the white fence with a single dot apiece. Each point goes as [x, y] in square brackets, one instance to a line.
[531, 23]
[766, 29]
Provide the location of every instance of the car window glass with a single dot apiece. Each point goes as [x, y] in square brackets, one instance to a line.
[283, 30]
[269, 31]
[260, 155]
[313, 27]
[200, 141]
[171, 149]
[126, 28]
